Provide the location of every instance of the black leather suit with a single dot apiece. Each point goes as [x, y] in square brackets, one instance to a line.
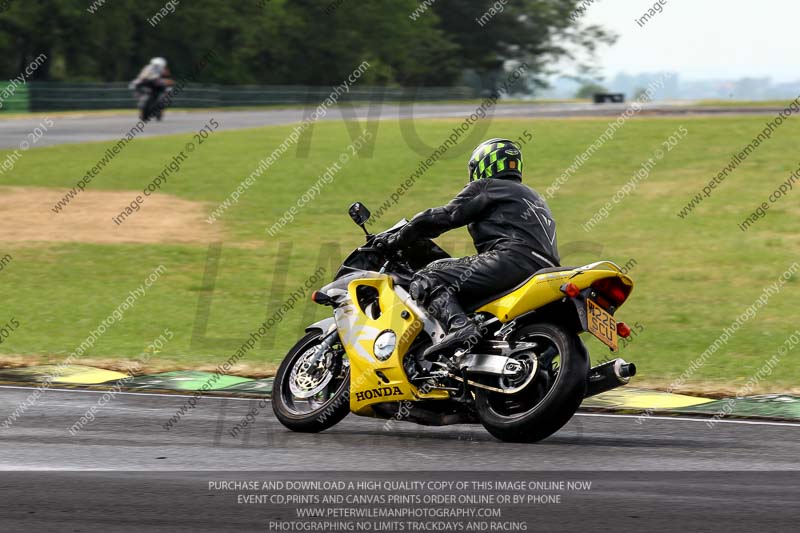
[512, 229]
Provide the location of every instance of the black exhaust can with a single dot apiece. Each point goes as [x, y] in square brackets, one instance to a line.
[609, 376]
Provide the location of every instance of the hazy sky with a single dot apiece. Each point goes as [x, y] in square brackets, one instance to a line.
[703, 39]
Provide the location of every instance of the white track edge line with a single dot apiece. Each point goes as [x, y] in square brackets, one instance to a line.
[689, 419]
[606, 415]
[90, 391]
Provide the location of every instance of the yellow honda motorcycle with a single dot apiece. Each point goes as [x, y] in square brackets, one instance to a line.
[523, 377]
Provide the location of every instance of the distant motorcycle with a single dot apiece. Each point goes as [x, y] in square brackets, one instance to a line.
[152, 98]
[523, 379]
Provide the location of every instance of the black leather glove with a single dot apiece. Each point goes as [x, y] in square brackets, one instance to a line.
[387, 241]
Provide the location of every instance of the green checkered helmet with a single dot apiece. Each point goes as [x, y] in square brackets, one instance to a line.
[495, 158]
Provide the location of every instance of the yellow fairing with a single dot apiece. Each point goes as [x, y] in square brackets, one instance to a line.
[546, 288]
[358, 333]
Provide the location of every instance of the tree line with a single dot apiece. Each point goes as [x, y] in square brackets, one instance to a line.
[308, 42]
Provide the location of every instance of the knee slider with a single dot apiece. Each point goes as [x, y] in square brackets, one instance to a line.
[430, 294]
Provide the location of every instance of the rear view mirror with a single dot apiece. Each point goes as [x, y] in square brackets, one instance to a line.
[359, 213]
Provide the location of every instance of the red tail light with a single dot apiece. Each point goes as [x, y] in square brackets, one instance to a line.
[623, 330]
[613, 289]
[571, 290]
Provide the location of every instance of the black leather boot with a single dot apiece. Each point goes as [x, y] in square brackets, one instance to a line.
[461, 331]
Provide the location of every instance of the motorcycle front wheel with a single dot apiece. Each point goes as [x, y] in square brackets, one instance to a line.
[560, 364]
[142, 106]
[311, 397]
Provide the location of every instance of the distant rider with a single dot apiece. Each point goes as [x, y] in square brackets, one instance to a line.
[512, 230]
[156, 77]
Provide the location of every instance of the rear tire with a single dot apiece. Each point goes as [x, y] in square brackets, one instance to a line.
[549, 409]
[321, 416]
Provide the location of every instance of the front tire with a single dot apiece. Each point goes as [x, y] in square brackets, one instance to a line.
[325, 408]
[550, 400]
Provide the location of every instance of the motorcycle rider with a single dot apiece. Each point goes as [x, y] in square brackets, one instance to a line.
[155, 76]
[512, 229]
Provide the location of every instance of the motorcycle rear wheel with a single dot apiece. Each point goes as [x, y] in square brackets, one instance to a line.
[330, 402]
[551, 398]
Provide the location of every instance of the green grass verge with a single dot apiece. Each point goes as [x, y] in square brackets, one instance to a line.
[694, 276]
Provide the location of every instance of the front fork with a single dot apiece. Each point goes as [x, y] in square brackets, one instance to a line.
[328, 340]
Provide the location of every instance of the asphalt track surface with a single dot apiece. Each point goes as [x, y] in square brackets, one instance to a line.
[128, 435]
[73, 128]
[736, 476]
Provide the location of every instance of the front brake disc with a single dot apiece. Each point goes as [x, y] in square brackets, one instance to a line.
[306, 382]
